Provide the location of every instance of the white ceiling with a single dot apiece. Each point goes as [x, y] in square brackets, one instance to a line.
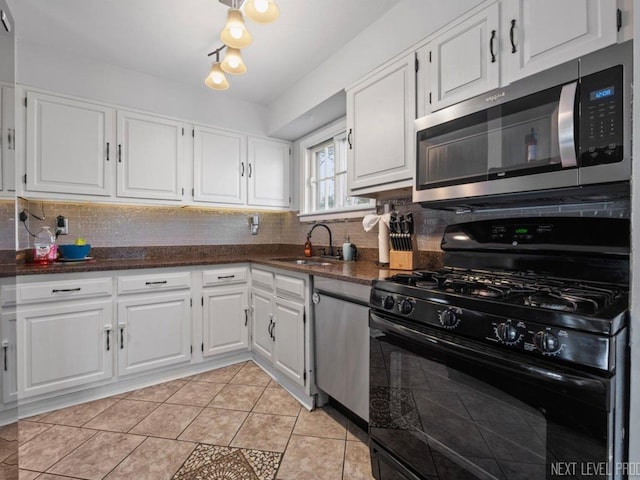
[171, 39]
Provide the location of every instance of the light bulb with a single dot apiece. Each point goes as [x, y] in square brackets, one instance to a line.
[261, 5]
[236, 32]
[234, 62]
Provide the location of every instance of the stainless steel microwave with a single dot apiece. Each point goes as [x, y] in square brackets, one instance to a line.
[564, 133]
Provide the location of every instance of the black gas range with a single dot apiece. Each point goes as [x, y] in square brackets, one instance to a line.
[528, 318]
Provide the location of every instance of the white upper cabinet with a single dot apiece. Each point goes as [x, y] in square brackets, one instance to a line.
[380, 114]
[70, 146]
[8, 140]
[150, 153]
[268, 171]
[539, 34]
[465, 60]
[220, 166]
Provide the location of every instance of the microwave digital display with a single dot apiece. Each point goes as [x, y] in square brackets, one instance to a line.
[602, 93]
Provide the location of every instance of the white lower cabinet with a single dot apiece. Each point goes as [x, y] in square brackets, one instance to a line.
[279, 323]
[9, 344]
[153, 331]
[288, 338]
[64, 344]
[262, 342]
[225, 325]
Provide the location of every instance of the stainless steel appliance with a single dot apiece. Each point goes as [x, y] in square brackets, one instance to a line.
[562, 133]
[341, 319]
[510, 362]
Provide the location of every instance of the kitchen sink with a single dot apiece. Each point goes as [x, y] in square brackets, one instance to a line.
[305, 261]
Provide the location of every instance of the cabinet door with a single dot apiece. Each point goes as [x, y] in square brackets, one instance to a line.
[149, 156]
[64, 345]
[8, 142]
[269, 173]
[70, 146]
[262, 341]
[9, 358]
[288, 336]
[547, 33]
[465, 60]
[153, 332]
[220, 167]
[225, 320]
[380, 115]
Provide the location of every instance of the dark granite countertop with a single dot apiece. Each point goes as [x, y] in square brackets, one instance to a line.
[362, 271]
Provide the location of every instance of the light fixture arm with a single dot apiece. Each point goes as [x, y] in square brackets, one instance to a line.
[216, 52]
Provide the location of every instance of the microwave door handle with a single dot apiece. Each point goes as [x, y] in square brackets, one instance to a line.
[566, 124]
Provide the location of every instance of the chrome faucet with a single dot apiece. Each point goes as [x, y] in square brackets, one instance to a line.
[330, 237]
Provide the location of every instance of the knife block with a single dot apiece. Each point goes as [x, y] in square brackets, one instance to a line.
[403, 259]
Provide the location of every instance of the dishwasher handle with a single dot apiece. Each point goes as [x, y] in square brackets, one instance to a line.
[318, 294]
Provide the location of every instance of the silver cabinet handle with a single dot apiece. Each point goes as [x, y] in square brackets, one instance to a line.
[566, 137]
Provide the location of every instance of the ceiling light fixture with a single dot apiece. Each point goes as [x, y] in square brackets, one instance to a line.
[216, 78]
[235, 33]
[261, 11]
[233, 63]
[236, 36]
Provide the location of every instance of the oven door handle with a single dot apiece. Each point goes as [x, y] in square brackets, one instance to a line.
[462, 348]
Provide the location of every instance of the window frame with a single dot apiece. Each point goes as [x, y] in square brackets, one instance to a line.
[335, 132]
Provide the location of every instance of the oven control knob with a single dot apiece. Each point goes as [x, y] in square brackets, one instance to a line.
[508, 333]
[388, 302]
[406, 306]
[448, 318]
[546, 342]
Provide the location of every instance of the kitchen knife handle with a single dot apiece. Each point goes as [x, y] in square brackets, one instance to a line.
[512, 36]
[349, 136]
[493, 38]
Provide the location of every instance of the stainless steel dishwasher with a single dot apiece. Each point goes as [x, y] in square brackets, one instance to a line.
[341, 317]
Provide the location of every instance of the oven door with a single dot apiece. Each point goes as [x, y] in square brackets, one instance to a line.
[451, 409]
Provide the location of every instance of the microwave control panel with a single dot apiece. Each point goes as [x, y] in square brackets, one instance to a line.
[601, 117]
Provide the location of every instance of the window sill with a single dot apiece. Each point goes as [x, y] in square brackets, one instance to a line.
[336, 214]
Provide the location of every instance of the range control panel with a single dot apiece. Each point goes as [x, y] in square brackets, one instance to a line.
[523, 336]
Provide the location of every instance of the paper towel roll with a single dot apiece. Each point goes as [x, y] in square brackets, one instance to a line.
[383, 242]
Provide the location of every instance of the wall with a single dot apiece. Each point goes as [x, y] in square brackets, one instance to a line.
[120, 225]
[409, 22]
[48, 69]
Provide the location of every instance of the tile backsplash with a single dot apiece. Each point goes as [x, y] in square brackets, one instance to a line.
[126, 225]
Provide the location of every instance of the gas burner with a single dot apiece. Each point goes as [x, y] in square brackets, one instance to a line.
[550, 301]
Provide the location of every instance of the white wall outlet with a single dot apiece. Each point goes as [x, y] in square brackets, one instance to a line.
[62, 225]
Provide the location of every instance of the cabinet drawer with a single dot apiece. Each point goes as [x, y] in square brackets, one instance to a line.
[224, 276]
[8, 296]
[64, 290]
[289, 286]
[154, 282]
[262, 277]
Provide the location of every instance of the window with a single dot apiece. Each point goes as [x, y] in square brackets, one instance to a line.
[325, 175]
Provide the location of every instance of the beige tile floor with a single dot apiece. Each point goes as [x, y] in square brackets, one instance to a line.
[236, 413]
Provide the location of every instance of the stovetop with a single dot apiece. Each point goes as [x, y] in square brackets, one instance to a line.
[519, 288]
